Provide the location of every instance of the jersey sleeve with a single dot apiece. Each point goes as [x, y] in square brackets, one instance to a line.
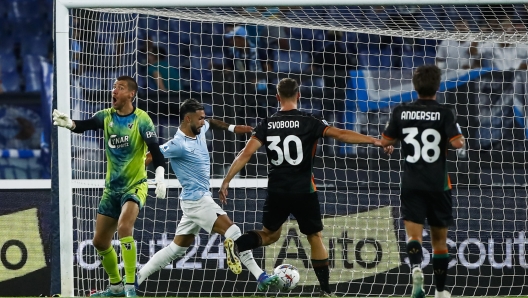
[452, 129]
[171, 149]
[99, 118]
[319, 127]
[206, 127]
[147, 129]
[391, 130]
[259, 133]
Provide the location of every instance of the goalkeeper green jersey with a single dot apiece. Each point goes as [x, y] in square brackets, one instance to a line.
[126, 139]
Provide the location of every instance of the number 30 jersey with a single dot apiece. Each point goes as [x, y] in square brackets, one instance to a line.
[425, 129]
[291, 140]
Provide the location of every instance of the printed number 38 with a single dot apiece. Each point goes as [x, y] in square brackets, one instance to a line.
[428, 147]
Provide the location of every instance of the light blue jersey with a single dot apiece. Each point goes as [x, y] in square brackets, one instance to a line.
[190, 162]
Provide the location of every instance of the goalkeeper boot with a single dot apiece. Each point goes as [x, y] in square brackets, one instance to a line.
[136, 285]
[130, 291]
[111, 291]
[265, 281]
[326, 294]
[442, 294]
[233, 261]
[418, 278]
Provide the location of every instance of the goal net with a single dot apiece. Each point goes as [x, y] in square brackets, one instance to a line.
[354, 65]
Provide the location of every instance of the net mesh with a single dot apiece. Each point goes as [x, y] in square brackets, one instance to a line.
[354, 64]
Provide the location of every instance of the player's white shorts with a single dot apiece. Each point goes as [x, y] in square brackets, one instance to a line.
[198, 214]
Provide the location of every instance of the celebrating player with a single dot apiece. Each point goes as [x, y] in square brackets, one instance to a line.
[128, 131]
[426, 128]
[290, 137]
[190, 162]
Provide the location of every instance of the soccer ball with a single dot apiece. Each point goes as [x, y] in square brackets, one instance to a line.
[288, 276]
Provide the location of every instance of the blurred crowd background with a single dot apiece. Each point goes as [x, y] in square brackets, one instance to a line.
[231, 67]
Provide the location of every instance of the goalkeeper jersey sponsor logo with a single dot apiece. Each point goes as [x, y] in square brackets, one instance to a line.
[116, 141]
[360, 245]
[150, 134]
[21, 250]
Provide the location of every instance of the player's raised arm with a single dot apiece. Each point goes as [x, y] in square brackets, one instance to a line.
[352, 137]
[240, 161]
[78, 126]
[348, 136]
[219, 124]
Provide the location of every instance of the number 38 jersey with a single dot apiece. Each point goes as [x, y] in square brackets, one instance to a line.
[290, 138]
[425, 129]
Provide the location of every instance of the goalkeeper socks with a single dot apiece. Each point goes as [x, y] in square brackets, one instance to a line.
[161, 259]
[440, 264]
[249, 241]
[323, 274]
[129, 255]
[414, 251]
[109, 260]
[246, 258]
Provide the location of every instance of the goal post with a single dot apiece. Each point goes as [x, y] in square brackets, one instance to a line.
[63, 173]
[359, 185]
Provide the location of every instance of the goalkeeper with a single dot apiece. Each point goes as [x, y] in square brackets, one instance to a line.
[128, 132]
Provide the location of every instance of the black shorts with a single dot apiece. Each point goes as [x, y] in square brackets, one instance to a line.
[436, 206]
[303, 206]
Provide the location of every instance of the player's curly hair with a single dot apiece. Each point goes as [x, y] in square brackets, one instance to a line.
[287, 88]
[426, 80]
[189, 106]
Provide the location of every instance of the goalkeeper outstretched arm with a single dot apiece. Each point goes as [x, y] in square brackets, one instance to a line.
[77, 126]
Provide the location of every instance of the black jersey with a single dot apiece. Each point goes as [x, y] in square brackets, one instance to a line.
[425, 129]
[291, 139]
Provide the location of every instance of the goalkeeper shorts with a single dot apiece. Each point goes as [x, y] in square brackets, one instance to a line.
[112, 201]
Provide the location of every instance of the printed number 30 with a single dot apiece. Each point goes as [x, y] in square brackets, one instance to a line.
[284, 154]
[428, 147]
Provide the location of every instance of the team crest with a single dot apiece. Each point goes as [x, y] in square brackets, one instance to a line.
[130, 125]
[111, 124]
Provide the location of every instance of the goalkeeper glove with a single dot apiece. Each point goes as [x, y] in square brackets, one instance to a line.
[62, 120]
[161, 189]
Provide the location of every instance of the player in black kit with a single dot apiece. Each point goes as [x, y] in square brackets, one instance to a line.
[425, 129]
[291, 137]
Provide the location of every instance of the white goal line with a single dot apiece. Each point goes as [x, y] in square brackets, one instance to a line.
[24, 184]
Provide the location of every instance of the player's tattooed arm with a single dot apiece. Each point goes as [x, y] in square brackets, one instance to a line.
[219, 124]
